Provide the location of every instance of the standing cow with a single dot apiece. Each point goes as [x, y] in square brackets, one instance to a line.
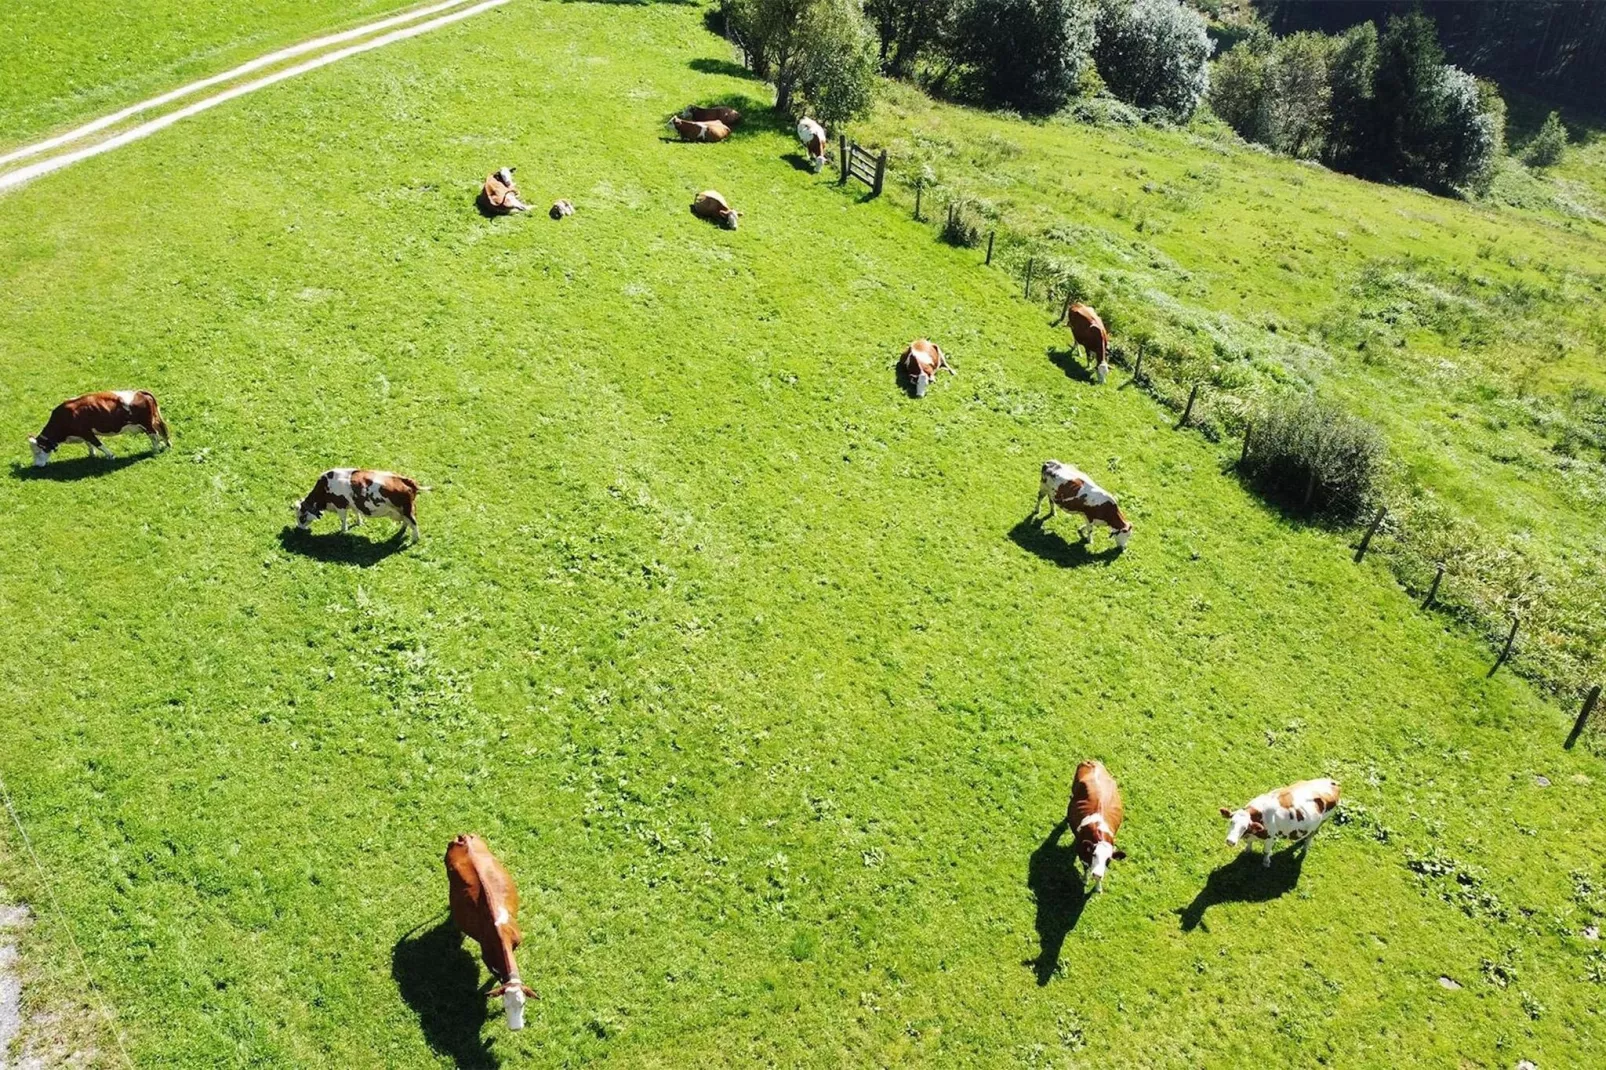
[1296, 812]
[711, 205]
[365, 492]
[812, 135]
[500, 195]
[109, 412]
[485, 906]
[1094, 816]
[1070, 488]
[1088, 332]
[919, 365]
[690, 130]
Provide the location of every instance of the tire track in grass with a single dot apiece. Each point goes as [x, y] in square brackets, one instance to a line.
[19, 176]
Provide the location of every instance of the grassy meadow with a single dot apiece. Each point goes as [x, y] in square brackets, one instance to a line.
[745, 663]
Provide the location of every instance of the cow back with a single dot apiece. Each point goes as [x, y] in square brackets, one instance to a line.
[1095, 792]
[479, 890]
[1088, 329]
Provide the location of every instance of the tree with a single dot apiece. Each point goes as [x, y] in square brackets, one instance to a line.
[1025, 54]
[1301, 96]
[1154, 54]
[907, 28]
[820, 51]
[1547, 146]
[1240, 86]
[1352, 141]
[1408, 98]
[1468, 138]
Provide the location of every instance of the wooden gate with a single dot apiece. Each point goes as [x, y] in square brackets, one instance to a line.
[857, 162]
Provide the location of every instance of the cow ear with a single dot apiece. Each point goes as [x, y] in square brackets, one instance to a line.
[1226, 812]
[497, 992]
[528, 991]
[1118, 855]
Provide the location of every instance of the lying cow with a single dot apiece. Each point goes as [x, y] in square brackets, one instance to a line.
[691, 130]
[719, 114]
[500, 196]
[1088, 332]
[919, 364]
[1296, 812]
[364, 492]
[1072, 489]
[1094, 816]
[485, 906]
[110, 412]
[709, 204]
[812, 135]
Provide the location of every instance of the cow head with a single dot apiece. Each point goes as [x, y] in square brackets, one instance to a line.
[505, 175]
[1240, 822]
[1123, 536]
[919, 383]
[41, 455]
[513, 996]
[1104, 852]
[729, 218]
[1102, 371]
[306, 513]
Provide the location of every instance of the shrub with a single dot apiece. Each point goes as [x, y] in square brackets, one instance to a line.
[1316, 458]
[822, 51]
[959, 229]
[1547, 146]
[1154, 54]
[1468, 136]
[1025, 54]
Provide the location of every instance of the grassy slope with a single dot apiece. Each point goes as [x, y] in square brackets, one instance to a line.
[728, 649]
[66, 60]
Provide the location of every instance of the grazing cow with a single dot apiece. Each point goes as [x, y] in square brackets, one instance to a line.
[718, 114]
[109, 412]
[500, 196]
[709, 204]
[1095, 817]
[919, 365]
[1088, 331]
[1070, 488]
[363, 491]
[485, 905]
[560, 209]
[713, 130]
[812, 134]
[1296, 812]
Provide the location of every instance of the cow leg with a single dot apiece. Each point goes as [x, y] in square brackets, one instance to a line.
[1265, 861]
[342, 513]
[1086, 532]
[94, 444]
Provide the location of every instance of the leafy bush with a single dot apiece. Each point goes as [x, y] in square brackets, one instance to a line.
[1351, 76]
[1315, 457]
[822, 51]
[1154, 54]
[959, 229]
[1276, 92]
[909, 28]
[1468, 136]
[1547, 146]
[1025, 54]
[1239, 88]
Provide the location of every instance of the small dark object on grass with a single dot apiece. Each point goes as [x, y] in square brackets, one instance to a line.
[561, 209]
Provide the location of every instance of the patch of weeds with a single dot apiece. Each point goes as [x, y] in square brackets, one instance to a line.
[1457, 883]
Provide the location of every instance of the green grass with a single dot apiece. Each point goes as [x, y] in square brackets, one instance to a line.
[740, 659]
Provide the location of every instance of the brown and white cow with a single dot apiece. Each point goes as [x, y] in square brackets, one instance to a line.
[919, 365]
[499, 195]
[364, 492]
[1296, 812]
[812, 135]
[1094, 816]
[716, 114]
[1072, 489]
[691, 130]
[485, 906]
[1089, 333]
[87, 417]
[710, 204]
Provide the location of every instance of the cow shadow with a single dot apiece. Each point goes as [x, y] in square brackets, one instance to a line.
[1051, 546]
[440, 981]
[75, 468]
[1245, 880]
[343, 547]
[798, 161]
[1070, 362]
[1057, 883]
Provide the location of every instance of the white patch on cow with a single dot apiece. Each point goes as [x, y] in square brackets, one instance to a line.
[41, 457]
[126, 397]
[501, 916]
[513, 1003]
[1101, 861]
[1096, 819]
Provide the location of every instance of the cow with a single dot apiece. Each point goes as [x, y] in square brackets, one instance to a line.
[1070, 488]
[1088, 332]
[499, 195]
[812, 135]
[364, 492]
[1296, 812]
[109, 412]
[713, 130]
[1094, 815]
[560, 209]
[484, 903]
[709, 204]
[717, 114]
[919, 364]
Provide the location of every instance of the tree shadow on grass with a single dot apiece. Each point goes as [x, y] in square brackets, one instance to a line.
[1056, 881]
[343, 547]
[1245, 880]
[1071, 363]
[710, 65]
[75, 468]
[440, 981]
[1051, 546]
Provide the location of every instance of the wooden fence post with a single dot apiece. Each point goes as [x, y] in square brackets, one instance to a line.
[1506, 652]
[846, 157]
[949, 229]
[920, 186]
[880, 173]
[1029, 262]
[1433, 591]
[1366, 540]
[1249, 429]
[1137, 369]
[1187, 410]
[1583, 717]
[990, 237]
